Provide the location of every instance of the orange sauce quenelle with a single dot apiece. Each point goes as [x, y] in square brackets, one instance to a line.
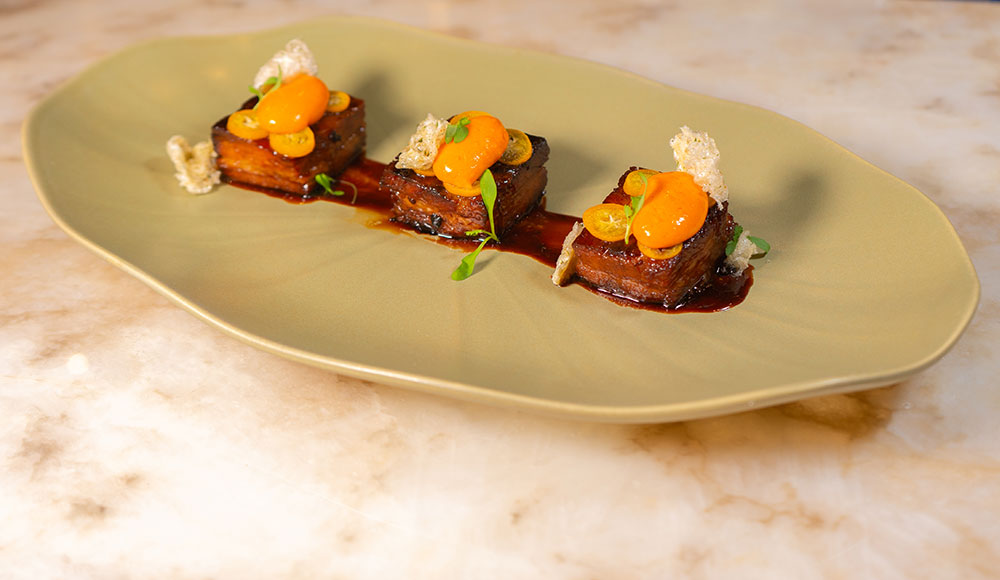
[460, 164]
[284, 113]
[675, 208]
[294, 105]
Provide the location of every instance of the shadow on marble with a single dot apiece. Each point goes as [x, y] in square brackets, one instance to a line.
[817, 426]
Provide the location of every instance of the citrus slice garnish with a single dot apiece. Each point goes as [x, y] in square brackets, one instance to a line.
[298, 144]
[464, 191]
[659, 253]
[634, 184]
[244, 125]
[606, 221]
[518, 148]
[338, 101]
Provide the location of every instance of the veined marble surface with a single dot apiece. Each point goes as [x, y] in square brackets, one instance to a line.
[138, 442]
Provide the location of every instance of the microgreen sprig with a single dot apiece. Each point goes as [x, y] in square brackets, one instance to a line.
[275, 81]
[458, 132]
[731, 244]
[635, 205]
[488, 191]
[326, 182]
[761, 244]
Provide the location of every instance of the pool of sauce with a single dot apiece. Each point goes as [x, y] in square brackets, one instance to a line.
[538, 235]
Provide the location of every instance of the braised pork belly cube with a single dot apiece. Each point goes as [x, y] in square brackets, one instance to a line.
[622, 270]
[423, 203]
[340, 140]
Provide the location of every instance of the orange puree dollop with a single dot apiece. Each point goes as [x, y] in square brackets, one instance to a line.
[462, 163]
[294, 105]
[674, 210]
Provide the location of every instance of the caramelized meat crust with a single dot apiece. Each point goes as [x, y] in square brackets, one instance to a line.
[423, 203]
[340, 139]
[622, 270]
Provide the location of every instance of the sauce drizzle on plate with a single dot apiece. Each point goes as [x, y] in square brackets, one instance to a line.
[538, 235]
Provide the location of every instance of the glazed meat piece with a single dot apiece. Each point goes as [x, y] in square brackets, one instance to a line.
[622, 270]
[340, 140]
[423, 203]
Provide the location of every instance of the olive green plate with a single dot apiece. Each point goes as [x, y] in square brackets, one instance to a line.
[866, 285]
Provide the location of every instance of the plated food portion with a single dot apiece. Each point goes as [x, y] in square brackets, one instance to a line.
[435, 182]
[467, 177]
[295, 135]
[662, 237]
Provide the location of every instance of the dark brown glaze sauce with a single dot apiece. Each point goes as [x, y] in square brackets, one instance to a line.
[538, 235]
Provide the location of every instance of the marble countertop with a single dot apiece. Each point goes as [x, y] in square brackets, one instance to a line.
[138, 442]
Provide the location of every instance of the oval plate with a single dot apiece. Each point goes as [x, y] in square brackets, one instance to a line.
[867, 283]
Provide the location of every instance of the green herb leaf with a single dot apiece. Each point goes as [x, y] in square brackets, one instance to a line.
[326, 182]
[276, 81]
[760, 243]
[731, 245]
[458, 132]
[635, 205]
[468, 264]
[488, 191]
[463, 131]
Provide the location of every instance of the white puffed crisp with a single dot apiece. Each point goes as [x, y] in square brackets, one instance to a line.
[566, 263]
[196, 169]
[423, 147]
[696, 153]
[294, 59]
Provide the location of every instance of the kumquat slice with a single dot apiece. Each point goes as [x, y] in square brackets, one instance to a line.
[606, 221]
[244, 125]
[298, 144]
[463, 190]
[339, 101]
[660, 253]
[634, 184]
[518, 148]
